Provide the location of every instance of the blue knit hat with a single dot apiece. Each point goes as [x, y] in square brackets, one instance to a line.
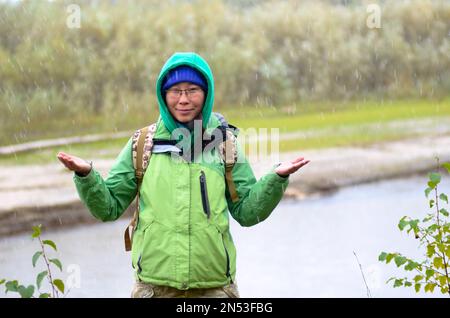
[184, 73]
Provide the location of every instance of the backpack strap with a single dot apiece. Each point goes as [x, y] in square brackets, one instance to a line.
[142, 143]
[228, 152]
[222, 120]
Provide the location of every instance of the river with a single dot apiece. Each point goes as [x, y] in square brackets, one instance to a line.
[304, 249]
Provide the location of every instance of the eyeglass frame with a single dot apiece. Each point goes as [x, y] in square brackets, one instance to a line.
[180, 92]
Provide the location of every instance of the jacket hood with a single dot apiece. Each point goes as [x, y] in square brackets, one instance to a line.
[193, 60]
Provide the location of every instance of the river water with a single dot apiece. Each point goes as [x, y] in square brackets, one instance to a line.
[304, 249]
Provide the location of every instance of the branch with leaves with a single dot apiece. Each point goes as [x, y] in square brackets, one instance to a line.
[433, 232]
[56, 285]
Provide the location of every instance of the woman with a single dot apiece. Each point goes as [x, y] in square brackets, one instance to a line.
[182, 246]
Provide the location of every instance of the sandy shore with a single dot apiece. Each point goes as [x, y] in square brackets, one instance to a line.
[46, 194]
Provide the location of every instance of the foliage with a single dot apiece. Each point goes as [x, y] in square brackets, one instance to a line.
[56, 285]
[261, 52]
[433, 231]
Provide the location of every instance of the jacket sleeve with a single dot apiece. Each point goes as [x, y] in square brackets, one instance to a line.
[108, 199]
[257, 199]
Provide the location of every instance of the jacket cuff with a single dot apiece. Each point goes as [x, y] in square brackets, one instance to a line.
[275, 177]
[278, 177]
[88, 180]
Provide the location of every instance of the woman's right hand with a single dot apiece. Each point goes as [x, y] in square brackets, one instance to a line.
[74, 163]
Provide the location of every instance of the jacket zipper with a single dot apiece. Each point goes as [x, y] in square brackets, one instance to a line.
[189, 231]
[228, 260]
[204, 192]
[139, 264]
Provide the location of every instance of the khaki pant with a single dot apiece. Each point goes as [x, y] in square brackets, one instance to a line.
[146, 290]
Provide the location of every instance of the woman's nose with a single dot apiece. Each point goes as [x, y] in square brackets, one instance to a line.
[183, 98]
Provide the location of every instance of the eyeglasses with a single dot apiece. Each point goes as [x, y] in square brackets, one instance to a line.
[190, 92]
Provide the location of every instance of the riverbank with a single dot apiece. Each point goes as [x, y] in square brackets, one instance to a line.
[45, 194]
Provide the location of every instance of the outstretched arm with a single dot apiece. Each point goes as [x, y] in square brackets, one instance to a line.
[105, 199]
[257, 199]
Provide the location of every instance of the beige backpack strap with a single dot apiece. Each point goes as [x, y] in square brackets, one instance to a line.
[141, 151]
[229, 157]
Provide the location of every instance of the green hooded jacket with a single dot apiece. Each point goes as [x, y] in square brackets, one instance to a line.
[176, 243]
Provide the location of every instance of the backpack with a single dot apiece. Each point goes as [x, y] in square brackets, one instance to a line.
[142, 144]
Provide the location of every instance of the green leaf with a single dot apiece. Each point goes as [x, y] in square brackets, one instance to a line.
[443, 197]
[437, 262]
[441, 247]
[442, 280]
[26, 292]
[12, 286]
[413, 224]
[443, 212]
[446, 229]
[50, 243]
[427, 191]
[417, 287]
[56, 262]
[398, 283]
[411, 266]
[429, 273]
[59, 284]
[418, 278]
[2, 281]
[40, 277]
[36, 231]
[430, 250]
[402, 223]
[400, 260]
[446, 165]
[429, 217]
[382, 257]
[438, 238]
[430, 287]
[432, 228]
[408, 284]
[431, 203]
[435, 177]
[389, 257]
[431, 185]
[45, 295]
[36, 257]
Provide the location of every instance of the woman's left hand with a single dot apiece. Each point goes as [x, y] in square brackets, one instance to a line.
[288, 167]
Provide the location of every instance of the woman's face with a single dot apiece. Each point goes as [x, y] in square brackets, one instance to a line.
[185, 101]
